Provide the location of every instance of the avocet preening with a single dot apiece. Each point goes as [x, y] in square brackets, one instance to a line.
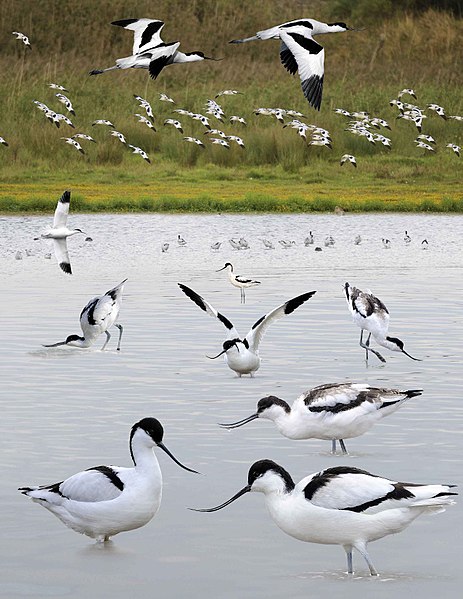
[370, 314]
[239, 281]
[103, 501]
[407, 238]
[23, 38]
[149, 51]
[342, 505]
[242, 355]
[335, 411]
[96, 318]
[299, 52]
[59, 232]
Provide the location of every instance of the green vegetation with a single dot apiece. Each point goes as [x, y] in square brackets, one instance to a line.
[277, 171]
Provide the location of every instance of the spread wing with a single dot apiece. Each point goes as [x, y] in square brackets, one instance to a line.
[147, 32]
[365, 303]
[161, 57]
[255, 335]
[309, 56]
[201, 302]
[62, 255]
[62, 210]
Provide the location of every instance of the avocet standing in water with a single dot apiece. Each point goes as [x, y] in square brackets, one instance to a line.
[96, 318]
[238, 281]
[242, 355]
[299, 52]
[59, 232]
[342, 505]
[370, 314]
[105, 500]
[335, 411]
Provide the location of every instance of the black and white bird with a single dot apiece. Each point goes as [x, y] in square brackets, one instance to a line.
[59, 232]
[3, 142]
[67, 102]
[164, 247]
[96, 318]
[228, 92]
[174, 123]
[146, 105]
[238, 281]
[237, 119]
[370, 314]
[58, 87]
[219, 142]
[103, 501]
[120, 136]
[386, 243]
[407, 238]
[140, 152]
[65, 119]
[75, 144]
[194, 140]
[438, 110]
[102, 122]
[145, 120]
[407, 91]
[424, 146]
[237, 140]
[456, 149]
[357, 240]
[166, 98]
[309, 240]
[149, 50]
[181, 242]
[299, 52]
[348, 158]
[428, 138]
[335, 411]
[242, 355]
[23, 38]
[341, 505]
[83, 136]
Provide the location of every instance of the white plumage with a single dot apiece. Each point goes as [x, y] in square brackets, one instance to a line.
[335, 411]
[342, 505]
[238, 281]
[105, 500]
[242, 355]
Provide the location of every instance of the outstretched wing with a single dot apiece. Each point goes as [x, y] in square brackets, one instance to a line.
[161, 57]
[62, 210]
[62, 255]
[254, 337]
[147, 32]
[201, 302]
[309, 57]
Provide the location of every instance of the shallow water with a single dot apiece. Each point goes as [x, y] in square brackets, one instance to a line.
[66, 409]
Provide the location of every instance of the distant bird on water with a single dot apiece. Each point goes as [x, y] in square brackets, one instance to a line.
[341, 505]
[238, 281]
[96, 318]
[103, 501]
[59, 232]
[335, 411]
[299, 52]
[242, 355]
[370, 314]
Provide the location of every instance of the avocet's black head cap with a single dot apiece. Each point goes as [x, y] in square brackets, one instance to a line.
[339, 24]
[259, 468]
[152, 427]
[271, 400]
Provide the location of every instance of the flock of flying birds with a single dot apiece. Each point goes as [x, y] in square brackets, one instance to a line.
[342, 505]
[298, 53]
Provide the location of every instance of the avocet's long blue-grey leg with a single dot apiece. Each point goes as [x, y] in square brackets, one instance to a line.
[333, 446]
[343, 446]
[362, 549]
[350, 564]
[108, 337]
[121, 328]
[367, 348]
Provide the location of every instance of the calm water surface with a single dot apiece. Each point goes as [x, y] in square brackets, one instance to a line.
[66, 409]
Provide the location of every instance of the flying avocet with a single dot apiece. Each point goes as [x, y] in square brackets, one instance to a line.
[23, 38]
[140, 152]
[348, 158]
[238, 281]
[299, 52]
[67, 102]
[75, 144]
[145, 120]
[166, 98]
[370, 314]
[59, 232]
[335, 411]
[103, 501]
[242, 355]
[174, 123]
[342, 505]
[96, 318]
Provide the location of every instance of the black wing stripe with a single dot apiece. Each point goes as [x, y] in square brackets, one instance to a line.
[323, 478]
[287, 59]
[257, 323]
[306, 42]
[397, 493]
[294, 303]
[198, 300]
[157, 65]
[110, 474]
[91, 311]
[150, 30]
[124, 22]
[65, 198]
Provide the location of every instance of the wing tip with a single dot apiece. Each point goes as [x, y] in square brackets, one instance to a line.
[66, 197]
[295, 302]
[65, 267]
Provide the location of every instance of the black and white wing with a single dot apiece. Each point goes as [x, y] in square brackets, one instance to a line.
[305, 55]
[62, 210]
[101, 483]
[62, 255]
[255, 335]
[363, 303]
[99, 310]
[147, 32]
[161, 57]
[355, 490]
[201, 302]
